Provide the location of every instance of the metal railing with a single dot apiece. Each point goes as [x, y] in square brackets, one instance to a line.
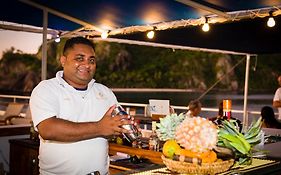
[17, 98]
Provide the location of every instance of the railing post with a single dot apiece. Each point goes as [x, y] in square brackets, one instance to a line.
[245, 114]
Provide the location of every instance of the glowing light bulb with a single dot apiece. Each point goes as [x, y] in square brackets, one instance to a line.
[150, 34]
[206, 27]
[104, 35]
[57, 40]
[271, 22]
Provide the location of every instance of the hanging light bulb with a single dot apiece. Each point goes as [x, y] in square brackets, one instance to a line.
[270, 21]
[57, 40]
[206, 26]
[150, 34]
[104, 34]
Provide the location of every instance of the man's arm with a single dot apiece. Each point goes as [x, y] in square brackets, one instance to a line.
[66, 131]
[276, 104]
[277, 98]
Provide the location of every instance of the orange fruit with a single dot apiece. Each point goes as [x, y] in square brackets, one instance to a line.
[170, 147]
[209, 157]
[187, 153]
[206, 157]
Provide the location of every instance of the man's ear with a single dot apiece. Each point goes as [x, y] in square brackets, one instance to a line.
[62, 60]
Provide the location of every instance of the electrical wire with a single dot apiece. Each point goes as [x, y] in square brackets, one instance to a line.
[221, 78]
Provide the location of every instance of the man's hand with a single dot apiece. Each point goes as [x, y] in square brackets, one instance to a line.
[112, 125]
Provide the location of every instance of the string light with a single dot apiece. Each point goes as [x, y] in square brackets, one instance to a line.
[57, 40]
[270, 21]
[150, 34]
[206, 26]
[104, 34]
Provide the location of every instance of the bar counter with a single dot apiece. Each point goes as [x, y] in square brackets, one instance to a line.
[153, 161]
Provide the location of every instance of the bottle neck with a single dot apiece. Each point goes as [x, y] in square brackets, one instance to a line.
[227, 114]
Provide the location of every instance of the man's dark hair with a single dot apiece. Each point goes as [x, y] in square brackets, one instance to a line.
[76, 40]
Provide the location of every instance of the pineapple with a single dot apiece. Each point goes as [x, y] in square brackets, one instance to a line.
[167, 126]
[197, 134]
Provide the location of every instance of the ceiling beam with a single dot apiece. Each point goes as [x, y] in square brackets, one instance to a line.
[62, 15]
[197, 5]
[25, 29]
[171, 46]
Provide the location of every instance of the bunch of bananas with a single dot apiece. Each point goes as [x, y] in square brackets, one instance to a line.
[241, 144]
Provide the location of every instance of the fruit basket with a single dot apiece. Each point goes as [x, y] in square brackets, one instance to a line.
[204, 168]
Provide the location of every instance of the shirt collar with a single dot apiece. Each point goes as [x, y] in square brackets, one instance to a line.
[63, 83]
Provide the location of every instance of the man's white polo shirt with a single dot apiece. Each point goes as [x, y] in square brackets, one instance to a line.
[55, 97]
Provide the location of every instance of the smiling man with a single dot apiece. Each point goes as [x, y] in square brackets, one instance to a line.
[72, 113]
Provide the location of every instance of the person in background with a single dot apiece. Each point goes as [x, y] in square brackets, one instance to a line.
[277, 98]
[268, 118]
[73, 115]
[194, 108]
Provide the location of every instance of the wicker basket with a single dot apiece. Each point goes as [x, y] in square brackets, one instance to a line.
[205, 168]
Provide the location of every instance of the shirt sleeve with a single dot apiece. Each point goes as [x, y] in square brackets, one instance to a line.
[43, 103]
[277, 96]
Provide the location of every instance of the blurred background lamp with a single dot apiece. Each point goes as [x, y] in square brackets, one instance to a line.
[150, 34]
[104, 35]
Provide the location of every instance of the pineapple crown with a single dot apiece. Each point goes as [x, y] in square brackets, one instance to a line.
[166, 128]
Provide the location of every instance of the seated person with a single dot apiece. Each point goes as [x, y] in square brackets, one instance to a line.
[268, 118]
[194, 108]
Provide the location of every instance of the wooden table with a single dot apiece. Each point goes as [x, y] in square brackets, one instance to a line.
[153, 156]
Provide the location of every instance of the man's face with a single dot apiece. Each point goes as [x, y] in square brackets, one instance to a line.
[79, 65]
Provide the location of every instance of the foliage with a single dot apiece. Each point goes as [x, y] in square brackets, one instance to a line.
[166, 128]
[19, 71]
[150, 67]
[134, 66]
[241, 143]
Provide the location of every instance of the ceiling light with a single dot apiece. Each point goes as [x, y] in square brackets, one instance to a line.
[104, 34]
[206, 26]
[270, 21]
